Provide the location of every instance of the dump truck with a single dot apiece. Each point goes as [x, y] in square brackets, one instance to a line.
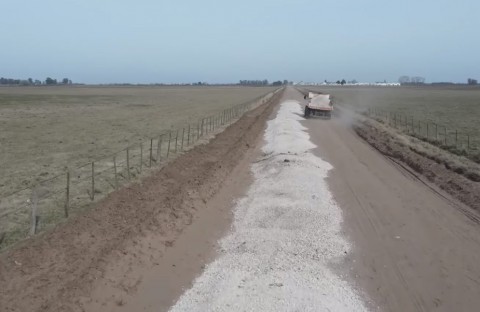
[319, 105]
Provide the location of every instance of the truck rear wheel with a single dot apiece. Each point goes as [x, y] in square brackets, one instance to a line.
[307, 111]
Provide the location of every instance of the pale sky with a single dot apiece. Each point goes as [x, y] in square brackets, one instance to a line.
[147, 41]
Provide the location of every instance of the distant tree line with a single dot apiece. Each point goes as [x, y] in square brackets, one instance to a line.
[407, 80]
[254, 82]
[472, 82]
[263, 82]
[31, 82]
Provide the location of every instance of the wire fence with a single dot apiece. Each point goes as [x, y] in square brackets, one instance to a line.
[447, 138]
[31, 210]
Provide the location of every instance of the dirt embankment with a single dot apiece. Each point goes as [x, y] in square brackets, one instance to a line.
[56, 270]
[454, 174]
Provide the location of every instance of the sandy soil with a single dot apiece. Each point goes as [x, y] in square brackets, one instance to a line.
[61, 270]
[415, 248]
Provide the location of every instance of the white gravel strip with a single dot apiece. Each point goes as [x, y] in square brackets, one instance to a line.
[286, 233]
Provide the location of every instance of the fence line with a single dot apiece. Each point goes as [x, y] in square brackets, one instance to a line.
[30, 210]
[429, 131]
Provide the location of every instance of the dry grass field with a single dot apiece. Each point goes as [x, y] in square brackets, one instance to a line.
[43, 130]
[453, 107]
[105, 136]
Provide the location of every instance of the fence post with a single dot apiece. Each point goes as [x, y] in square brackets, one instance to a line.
[93, 181]
[159, 148]
[468, 141]
[115, 171]
[128, 163]
[188, 137]
[176, 141]
[67, 195]
[198, 130]
[151, 151]
[183, 135]
[141, 157]
[445, 132]
[169, 142]
[35, 218]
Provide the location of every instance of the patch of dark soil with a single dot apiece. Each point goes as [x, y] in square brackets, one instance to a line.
[457, 181]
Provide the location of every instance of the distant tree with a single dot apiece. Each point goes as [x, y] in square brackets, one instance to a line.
[37, 82]
[354, 81]
[50, 81]
[417, 80]
[339, 82]
[253, 82]
[285, 82]
[65, 80]
[343, 82]
[404, 79]
[472, 82]
[30, 80]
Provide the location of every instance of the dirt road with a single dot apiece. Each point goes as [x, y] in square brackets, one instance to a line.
[414, 249]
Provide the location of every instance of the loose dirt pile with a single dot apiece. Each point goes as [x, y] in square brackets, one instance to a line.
[56, 270]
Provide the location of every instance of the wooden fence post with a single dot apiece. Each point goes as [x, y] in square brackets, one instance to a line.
[141, 157]
[67, 195]
[169, 142]
[445, 132]
[176, 142]
[35, 219]
[159, 148]
[183, 135]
